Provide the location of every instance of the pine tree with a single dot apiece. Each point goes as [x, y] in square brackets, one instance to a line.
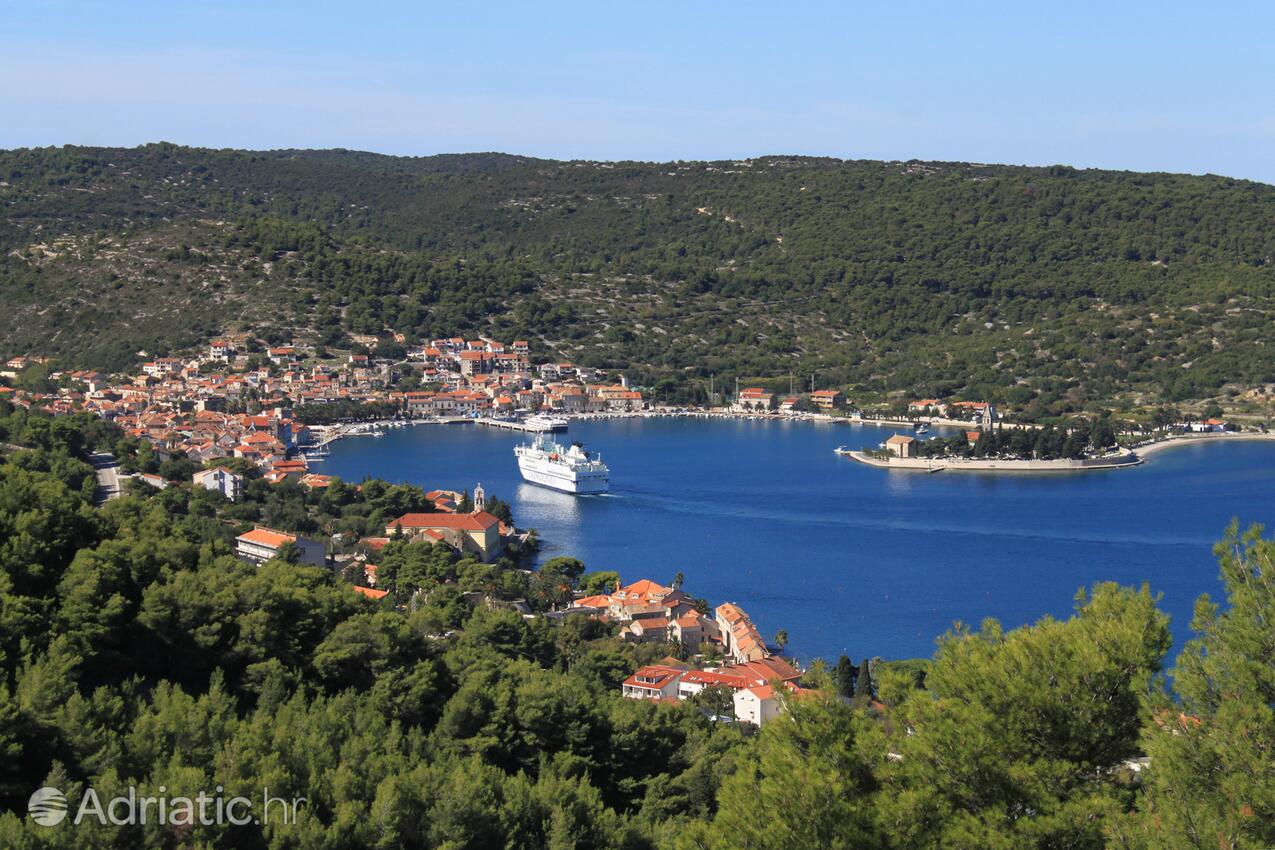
[843, 677]
[863, 682]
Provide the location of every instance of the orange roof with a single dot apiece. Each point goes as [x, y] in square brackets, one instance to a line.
[267, 537]
[660, 674]
[370, 593]
[762, 691]
[480, 521]
[645, 587]
[599, 601]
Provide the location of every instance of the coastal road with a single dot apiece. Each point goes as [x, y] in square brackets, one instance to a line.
[108, 476]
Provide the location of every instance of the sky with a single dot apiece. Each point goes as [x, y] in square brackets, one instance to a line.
[1163, 86]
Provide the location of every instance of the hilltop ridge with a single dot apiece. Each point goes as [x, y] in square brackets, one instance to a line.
[1051, 285]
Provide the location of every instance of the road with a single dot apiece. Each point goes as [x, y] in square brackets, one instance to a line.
[108, 476]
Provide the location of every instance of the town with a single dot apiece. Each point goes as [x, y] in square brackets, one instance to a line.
[240, 412]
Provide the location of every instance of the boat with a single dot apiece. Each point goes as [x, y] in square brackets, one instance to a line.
[921, 428]
[545, 423]
[569, 470]
[841, 450]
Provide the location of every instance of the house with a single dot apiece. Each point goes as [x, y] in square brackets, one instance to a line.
[654, 681]
[754, 685]
[755, 398]
[646, 630]
[741, 641]
[827, 399]
[220, 350]
[261, 544]
[477, 533]
[901, 445]
[1207, 426]
[646, 598]
[154, 480]
[757, 704]
[692, 629]
[927, 405]
[370, 592]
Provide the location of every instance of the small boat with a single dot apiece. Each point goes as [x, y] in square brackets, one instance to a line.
[921, 428]
[841, 450]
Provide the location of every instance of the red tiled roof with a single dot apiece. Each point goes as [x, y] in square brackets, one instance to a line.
[267, 537]
[480, 521]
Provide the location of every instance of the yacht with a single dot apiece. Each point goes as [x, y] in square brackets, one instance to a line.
[570, 470]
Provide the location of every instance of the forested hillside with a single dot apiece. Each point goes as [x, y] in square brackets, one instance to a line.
[1016, 284]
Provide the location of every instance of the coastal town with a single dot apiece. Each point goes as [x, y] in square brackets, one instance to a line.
[239, 412]
[276, 407]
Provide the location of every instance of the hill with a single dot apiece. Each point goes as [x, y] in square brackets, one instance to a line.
[1051, 286]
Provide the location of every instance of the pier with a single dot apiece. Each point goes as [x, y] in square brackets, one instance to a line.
[519, 425]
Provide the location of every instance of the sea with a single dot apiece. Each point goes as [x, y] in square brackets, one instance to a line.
[846, 558]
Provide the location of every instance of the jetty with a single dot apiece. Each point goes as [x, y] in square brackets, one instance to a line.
[526, 425]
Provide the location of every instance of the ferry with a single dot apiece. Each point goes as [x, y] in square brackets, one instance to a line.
[570, 470]
[545, 423]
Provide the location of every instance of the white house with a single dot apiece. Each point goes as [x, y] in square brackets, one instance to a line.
[756, 705]
[262, 544]
[222, 480]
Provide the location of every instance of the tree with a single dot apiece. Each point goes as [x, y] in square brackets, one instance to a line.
[1211, 780]
[717, 700]
[1035, 720]
[863, 682]
[781, 639]
[809, 783]
[678, 578]
[843, 677]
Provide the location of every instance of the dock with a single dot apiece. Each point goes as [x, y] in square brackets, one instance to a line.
[518, 425]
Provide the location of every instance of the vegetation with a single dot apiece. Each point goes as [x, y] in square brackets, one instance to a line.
[135, 649]
[1048, 289]
[1085, 437]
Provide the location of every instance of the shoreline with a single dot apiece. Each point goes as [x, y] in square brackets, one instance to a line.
[1191, 439]
[918, 464]
[1135, 456]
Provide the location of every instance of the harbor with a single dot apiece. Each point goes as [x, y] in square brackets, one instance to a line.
[840, 554]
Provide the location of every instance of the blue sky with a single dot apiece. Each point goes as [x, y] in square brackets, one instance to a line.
[1146, 86]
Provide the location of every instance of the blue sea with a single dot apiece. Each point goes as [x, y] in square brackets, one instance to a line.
[848, 558]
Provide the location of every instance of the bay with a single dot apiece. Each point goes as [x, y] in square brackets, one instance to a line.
[848, 558]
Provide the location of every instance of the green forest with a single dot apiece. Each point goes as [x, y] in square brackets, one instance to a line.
[1052, 288]
[136, 650]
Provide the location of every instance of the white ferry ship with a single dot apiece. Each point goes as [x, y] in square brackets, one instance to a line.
[544, 423]
[571, 470]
